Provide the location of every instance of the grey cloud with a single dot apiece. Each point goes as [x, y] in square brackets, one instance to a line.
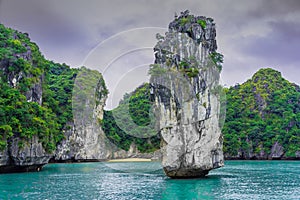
[280, 46]
[274, 8]
[66, 30]
[55, 34]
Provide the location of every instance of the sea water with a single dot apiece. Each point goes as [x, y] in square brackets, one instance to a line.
[236, 180]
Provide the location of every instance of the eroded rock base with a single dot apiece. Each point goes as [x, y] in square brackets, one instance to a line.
[17, 169]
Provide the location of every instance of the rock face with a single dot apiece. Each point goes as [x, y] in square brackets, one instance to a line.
[276, 153]
[186, 94]
[31, 157]
[86, 139]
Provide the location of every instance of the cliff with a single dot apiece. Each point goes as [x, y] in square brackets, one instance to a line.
[186, 95]
[85, 140]
[262, 118]
[25, 140]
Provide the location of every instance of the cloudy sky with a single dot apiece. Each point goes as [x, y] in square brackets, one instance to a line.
[116, 36]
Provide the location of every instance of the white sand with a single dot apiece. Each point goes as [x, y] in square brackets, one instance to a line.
[130, 160]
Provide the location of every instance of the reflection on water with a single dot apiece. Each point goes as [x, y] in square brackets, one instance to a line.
[134, 167]
[191, 188]
[237, 180]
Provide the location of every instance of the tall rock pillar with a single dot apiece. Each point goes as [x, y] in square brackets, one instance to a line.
[186, 94]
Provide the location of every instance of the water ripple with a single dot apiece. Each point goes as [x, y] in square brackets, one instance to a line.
[237, 180]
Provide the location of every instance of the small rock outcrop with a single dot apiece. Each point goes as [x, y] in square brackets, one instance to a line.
[186, 93]
[31, 157]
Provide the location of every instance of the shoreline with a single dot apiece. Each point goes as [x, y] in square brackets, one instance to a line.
[37, 168]
[131, 160]
[275, 159]
[152, 160]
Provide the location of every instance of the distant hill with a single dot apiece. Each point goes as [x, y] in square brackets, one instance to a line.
[134, 105]
[263, 118]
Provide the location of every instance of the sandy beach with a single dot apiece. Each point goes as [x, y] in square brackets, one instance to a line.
[130, 160]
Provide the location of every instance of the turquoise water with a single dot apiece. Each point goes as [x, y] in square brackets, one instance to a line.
[237, 180]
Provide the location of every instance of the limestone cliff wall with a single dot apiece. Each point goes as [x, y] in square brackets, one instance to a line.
[84, 138]
[31, 155]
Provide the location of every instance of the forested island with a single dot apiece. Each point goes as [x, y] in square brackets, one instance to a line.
[37, 122]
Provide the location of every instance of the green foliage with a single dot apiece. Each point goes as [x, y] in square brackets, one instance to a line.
[183, 64]
[102, 91]
[262, 111]
[189, 67]
[23, 119]
[19, 118]
[202, 23]
[218, 59]
[139, 105]
[156, 70]
[192, 72]
[14, 48]
[185, 20]
[6, 132]
[58, 87]
[189, 19]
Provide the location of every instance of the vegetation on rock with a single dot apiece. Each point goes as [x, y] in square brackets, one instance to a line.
[261, 112]
[57, 92]
[23, 67]
[139, 105]
[218, 59]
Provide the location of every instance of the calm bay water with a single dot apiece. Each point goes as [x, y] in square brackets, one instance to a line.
[237, 180]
